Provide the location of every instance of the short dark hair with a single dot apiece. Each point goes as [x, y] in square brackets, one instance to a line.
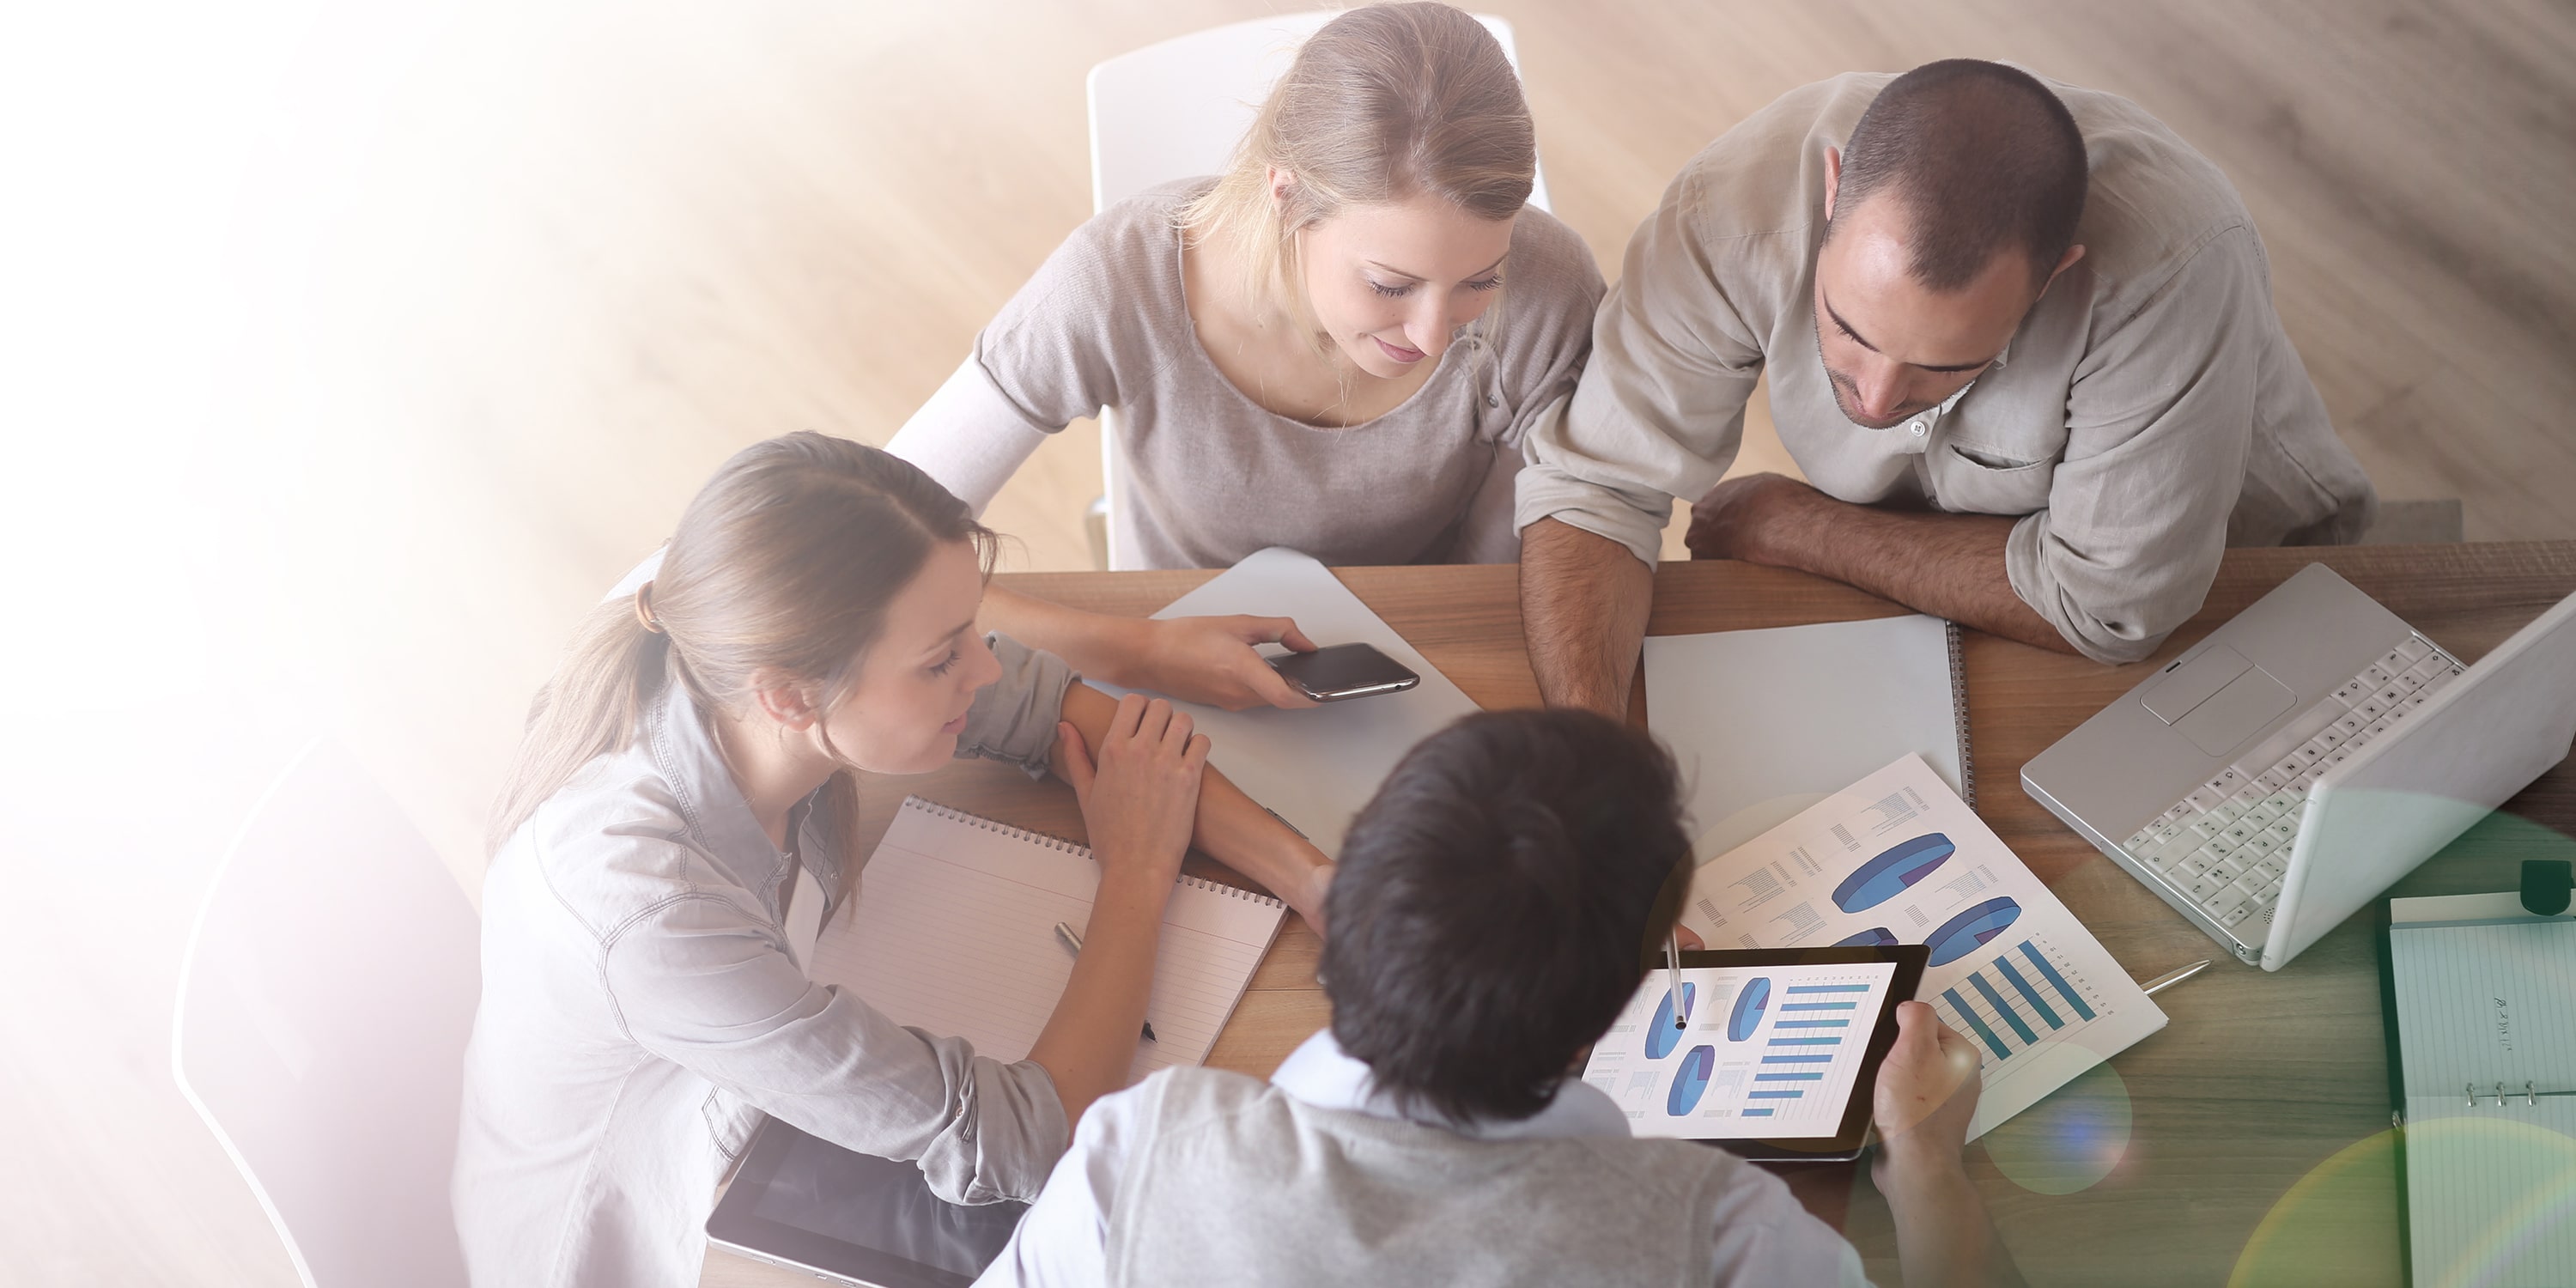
[1985, 159]
[1494, 904]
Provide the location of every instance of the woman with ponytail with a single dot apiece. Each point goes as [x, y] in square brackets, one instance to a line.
[678, 823]
[1338, 345]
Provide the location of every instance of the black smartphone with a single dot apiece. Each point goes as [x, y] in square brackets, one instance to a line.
[1343, 671]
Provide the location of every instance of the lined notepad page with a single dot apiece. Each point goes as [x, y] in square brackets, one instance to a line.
[2487, 1186]
[953, 932]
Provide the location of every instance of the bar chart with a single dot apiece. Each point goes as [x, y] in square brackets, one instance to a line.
[1779, 1046]
[2023, 997]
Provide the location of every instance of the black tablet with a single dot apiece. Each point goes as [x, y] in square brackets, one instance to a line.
[814, 1206]
[1775, 1055]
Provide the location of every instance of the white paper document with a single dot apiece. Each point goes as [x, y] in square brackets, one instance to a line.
[1770, 1053]
[1898, 858]
[1766, 722]
[1315, 767]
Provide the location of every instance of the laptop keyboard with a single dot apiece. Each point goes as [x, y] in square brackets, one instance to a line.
[2225, 846]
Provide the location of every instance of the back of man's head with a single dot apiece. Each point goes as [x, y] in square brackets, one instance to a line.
[1984, 160]
[1493, 906]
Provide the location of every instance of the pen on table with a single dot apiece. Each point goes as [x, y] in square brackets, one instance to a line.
[1074, 941]
[1673, 969]
[1283, 822]
[2171, 978]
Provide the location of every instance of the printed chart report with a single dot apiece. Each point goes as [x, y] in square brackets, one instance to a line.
[1770, 1052]
[1898, 858]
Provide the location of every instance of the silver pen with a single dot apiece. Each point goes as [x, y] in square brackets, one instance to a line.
[1673, 969]
[2170, 978]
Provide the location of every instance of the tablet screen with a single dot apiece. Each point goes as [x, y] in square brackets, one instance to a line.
[856, 1216]
[1778, 1046]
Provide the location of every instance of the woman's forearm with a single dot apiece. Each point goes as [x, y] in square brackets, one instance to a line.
[1111, 648]
[1089, 1042]
[1232, 828]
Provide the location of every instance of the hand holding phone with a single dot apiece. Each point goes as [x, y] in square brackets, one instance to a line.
[1343, 671]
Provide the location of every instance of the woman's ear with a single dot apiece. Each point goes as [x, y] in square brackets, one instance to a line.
[1281, 182]
[785, 700]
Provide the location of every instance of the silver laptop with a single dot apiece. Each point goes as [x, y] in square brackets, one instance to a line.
[2284, 771]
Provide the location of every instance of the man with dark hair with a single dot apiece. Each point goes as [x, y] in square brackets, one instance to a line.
[2019, 339]
[1494, 907]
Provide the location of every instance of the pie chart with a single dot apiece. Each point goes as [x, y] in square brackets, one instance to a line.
[1969, 931]
[1690, 1081]
[1662, 1035]
[1749, 1006]
[1874, 937]
[1887, 876]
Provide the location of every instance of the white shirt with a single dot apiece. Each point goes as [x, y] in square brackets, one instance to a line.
[1062, 1242]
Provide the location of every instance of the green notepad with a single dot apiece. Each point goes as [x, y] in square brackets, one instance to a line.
[2480, 1002]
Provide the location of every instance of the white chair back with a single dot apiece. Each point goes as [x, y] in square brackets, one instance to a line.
[1176, 109]
[323, 1009]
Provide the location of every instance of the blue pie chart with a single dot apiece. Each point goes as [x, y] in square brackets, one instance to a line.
[1690, 1081]
[1749, 1006]
[1874, 937]
[1887, 876]
[1662, 1035]
[1969, 931]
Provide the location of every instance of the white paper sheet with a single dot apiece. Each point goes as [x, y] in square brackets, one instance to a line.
[1315, 767]
[1767, 722]
[1898, 858]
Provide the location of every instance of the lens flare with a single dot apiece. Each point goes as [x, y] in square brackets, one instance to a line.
[2068, 1142]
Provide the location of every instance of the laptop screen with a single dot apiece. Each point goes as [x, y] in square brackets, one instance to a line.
[866, 1219]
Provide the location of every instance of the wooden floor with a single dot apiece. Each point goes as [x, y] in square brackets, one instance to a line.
[523, 274]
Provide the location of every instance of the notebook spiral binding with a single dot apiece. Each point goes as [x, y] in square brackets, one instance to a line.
[937, 810]
[1959, 715]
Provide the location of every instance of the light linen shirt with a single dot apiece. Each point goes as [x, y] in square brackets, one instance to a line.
[1212, 475]
[641, 1008]
[1755, 1233]
[2148, 413]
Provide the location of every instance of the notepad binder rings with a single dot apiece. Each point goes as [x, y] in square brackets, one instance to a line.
[1049, 842]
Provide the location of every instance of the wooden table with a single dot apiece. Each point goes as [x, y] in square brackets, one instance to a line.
[2256, 1134]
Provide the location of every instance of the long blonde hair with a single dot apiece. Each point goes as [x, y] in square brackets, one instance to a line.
[1382, 104]
[784, 562]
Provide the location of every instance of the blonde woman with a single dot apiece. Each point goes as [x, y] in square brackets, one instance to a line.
[1337, 345]
[680, 820]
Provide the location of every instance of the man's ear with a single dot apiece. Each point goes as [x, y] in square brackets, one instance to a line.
[785, 699]
[1833, 179]
[2064, 262]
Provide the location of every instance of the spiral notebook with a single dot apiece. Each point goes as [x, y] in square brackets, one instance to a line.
[1769, 722]
[2479, 999]
[953, 932]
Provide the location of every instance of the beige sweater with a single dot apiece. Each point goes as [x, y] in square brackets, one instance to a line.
[1215, 477]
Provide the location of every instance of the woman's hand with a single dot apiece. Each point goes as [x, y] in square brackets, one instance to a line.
[1211, 660]
[1139, 790]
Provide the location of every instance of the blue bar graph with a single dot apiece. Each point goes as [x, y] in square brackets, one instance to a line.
[1797, 1059]
[1811, 1024]
[2003, 1009]
[1774, 1095]
[1788, 1077]
[2054, 979]
[1968, 1013]
[1806, 1042]
[1818, 1006]
[1829, 988]
[1757, 1113]
[2037, 1003]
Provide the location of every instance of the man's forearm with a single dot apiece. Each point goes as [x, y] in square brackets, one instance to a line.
[1584, 601]
[1943, 1236]
[1949, 565]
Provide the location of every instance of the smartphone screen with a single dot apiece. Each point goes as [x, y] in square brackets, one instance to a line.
[1344, 671]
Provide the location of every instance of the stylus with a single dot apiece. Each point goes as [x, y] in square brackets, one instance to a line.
[1673, 966]
[2171, 978]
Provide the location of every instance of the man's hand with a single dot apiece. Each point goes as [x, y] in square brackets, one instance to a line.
[1926, 1094]
[1730, 521]
[1212, 660]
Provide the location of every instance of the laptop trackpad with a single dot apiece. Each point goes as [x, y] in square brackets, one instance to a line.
[2236, 712]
